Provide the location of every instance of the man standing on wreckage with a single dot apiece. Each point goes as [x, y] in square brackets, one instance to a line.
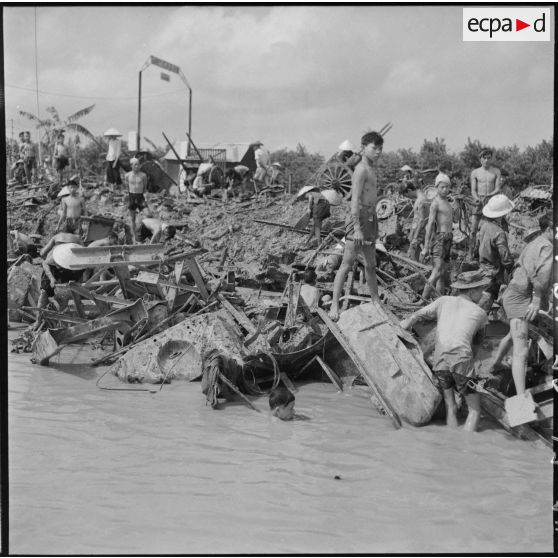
[362, 229]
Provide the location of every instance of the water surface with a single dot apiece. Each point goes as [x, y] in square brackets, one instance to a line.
[119, 472]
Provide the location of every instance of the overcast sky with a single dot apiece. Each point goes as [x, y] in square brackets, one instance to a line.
[310, 74]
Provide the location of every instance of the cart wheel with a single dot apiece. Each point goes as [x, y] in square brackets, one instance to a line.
[385, 207]
[335, 175]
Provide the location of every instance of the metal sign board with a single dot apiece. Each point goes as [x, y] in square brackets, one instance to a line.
[164, 64]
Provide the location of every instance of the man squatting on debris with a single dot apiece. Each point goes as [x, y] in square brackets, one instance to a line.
[136, 183]
[460, 324]
[52, 272]
[495, 259]
[522, 300]
[485, 183]
[72, 209]
[318, 210]
[364, 221]
[440, 219]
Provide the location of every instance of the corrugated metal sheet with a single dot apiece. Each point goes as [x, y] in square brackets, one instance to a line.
[235, 152]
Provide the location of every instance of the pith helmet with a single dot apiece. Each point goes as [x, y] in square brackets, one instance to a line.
[497, 206]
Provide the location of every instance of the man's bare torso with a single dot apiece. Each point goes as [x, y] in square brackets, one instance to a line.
[485, 179]
[444, 215]
[73, 207]
[136, 182]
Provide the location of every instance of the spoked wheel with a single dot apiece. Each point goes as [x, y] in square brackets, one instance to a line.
[335, 175]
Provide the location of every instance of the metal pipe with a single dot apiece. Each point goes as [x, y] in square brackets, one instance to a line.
[139, 111]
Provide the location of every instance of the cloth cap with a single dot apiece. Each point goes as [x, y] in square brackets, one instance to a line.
[442, 177]
[347, 146]
[112, 132]
[497, 206]
[64, 257]
[406, 168]
[470, 280]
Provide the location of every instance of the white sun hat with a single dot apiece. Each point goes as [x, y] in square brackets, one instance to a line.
[63, 256]
[112, 132]
[306, 189]
[347, 146]
[497, 206]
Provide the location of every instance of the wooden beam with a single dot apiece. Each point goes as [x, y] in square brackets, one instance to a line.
[331, 374]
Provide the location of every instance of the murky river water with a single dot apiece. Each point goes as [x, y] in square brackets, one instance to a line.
[101, 472]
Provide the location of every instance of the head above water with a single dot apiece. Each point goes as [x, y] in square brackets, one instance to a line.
[281, 403]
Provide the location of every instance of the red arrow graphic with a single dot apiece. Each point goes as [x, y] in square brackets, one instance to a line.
[519, 25]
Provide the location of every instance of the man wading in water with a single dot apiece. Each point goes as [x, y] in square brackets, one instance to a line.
[364, 221]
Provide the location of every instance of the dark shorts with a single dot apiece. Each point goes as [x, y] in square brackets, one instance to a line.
[61, 163]
[453, 380]
[136, 201]
[476, 207]
[72, 225]
[321, 210]
[441, 247]
[61, 275]
[496, 279]
[113, 174]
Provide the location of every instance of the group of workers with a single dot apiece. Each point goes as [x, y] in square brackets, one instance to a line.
[461, 318]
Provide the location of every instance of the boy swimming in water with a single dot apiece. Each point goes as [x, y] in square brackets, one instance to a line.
[281, 403]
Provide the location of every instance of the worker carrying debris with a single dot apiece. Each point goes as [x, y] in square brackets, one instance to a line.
[459, 320]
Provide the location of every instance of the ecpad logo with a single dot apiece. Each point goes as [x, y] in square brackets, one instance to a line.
[507, 24]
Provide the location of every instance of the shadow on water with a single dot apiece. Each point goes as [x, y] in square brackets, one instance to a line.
[79, 371]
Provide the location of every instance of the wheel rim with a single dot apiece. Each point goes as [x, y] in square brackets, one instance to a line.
[336, 176]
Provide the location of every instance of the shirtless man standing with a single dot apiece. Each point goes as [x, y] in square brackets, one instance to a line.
[73, 208]
[485, 182]
[136, 182]
[364, 221]
[441, 217]
[421, 209]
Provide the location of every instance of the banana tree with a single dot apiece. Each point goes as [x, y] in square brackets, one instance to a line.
[52, 126]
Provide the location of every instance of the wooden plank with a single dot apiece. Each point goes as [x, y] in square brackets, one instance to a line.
[331, 374]
[238, 315]
[45, 347]
[123, 275]
[287, 382]
[343, 341]
[293, 295]
[194, 269]
[77, 301]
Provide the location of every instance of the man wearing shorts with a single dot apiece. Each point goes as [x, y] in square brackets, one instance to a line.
[460, 323]
[61, 158]
[524, 297]
[485, 183]
[440, 219]
[136, 182]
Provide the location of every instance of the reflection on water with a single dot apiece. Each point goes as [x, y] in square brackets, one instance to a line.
[99, 472]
